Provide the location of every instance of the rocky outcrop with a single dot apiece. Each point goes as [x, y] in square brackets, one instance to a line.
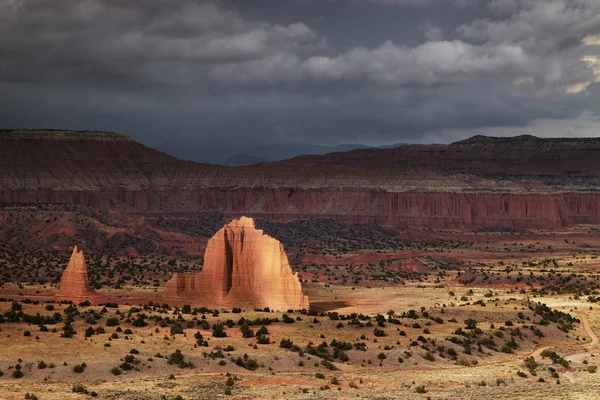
[74, 284]
[242, 268]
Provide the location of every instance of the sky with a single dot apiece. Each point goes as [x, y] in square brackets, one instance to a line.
[239, 73]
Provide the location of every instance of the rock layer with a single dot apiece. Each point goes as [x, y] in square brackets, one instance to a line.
[522, 182]
[74, 284]
[242, 268]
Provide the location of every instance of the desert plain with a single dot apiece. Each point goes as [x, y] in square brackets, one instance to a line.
[429, 314]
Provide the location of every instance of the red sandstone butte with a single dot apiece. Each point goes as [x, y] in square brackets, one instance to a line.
[242, 268]
[74, 284]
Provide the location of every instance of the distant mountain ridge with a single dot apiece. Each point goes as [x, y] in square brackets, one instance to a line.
[222, 154]
[472, 183]
[240, 160]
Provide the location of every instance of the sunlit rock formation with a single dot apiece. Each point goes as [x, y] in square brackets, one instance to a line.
[242, 267]
[74, 283]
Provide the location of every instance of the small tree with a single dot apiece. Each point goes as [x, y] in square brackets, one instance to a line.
[470, 323]
[218, 331]
[246, 331]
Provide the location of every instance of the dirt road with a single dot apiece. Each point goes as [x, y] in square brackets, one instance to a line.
[588, 328]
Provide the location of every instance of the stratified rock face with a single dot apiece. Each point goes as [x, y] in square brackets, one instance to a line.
[242, 267]
[74, 284]
[522, 182]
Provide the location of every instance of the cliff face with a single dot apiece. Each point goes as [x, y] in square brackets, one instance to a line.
[242, 267]
[74, 284]
[418, 209]
[509, 182]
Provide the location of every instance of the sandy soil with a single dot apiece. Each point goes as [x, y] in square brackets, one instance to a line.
[284, 374]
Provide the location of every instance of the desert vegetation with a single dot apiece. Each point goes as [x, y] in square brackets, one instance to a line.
[395, 311]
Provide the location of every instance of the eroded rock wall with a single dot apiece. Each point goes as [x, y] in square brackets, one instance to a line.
[521, 182]
[425, 209]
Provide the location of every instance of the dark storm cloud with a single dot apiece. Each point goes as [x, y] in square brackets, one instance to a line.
[373, 71]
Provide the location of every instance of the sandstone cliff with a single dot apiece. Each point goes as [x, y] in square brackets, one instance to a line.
[242, 267]
[74, 284]
[522, 182]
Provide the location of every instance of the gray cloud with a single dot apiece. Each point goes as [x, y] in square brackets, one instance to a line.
[431, 31]
[158, 43]
[423, 3]
[210, 70]
[432, 63]
[538, 26]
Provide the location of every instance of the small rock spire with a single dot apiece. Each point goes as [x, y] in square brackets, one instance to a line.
[74, 284]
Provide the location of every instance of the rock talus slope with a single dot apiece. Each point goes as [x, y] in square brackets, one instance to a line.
[74, 284]
[242, 267]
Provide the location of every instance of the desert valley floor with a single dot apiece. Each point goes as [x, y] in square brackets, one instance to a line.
[416, 314]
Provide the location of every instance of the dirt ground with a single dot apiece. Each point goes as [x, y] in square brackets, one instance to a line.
[419, 355]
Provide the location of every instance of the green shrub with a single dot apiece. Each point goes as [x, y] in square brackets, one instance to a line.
[379, 332]
[592, 369]
[80, 389]
[218, 331]
[177, 358]
[176, 329]
[287, 319]
[79, 368]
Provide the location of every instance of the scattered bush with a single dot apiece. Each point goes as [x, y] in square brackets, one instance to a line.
[79, 368]
[378, 332]
[177, 358]
[116, 371]
[592, 369]
[80, 389]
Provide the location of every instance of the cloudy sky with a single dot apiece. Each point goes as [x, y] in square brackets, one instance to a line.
[327, 72]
